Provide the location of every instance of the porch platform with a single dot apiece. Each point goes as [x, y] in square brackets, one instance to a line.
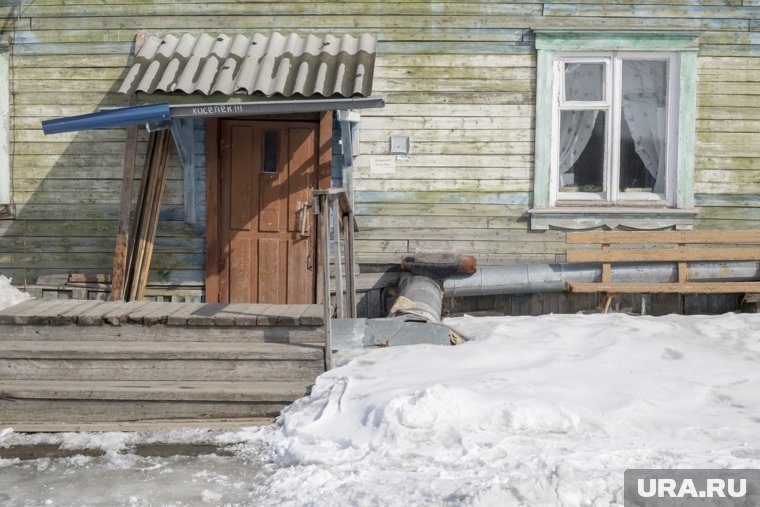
[91, 365]
[95, 312]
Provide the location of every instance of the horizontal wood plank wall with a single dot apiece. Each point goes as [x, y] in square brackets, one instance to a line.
[458, 78]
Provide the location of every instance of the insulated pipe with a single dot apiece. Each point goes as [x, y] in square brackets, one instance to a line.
[530, 278]
[418, 296]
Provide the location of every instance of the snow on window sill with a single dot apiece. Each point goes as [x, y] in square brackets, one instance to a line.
[542, 219]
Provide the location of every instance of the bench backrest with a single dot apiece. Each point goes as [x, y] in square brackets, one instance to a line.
[664, 246]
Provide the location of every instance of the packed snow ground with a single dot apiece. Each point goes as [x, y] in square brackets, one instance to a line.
[532, 411]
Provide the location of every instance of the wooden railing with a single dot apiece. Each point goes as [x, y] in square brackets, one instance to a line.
[336, 223]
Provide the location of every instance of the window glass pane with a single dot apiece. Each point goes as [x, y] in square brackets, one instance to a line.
[643, 142]
[270, 151]
[581, 150]
[584, 81]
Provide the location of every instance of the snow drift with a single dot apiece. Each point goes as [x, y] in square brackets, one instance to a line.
[9, 295]
[535, 410]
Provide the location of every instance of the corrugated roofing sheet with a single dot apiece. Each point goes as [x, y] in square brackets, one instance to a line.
[259, 64]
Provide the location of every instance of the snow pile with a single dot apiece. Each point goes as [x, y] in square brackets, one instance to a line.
[9, 295]
[536, 410]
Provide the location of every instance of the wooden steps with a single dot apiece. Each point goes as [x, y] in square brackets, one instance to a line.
[207, 391]
[206, 423]
[87, 364]
[117, 360]
[25, 401]
[97, 350]
[164, 333]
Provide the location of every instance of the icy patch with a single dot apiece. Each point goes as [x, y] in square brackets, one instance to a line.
[120, 477]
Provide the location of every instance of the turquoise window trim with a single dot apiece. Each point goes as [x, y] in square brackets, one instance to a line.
[577, 40]
[544, 95]
[687, 135]
[549, 42]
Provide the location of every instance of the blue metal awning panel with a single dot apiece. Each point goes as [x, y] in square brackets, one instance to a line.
[158, 116]
[151, 113]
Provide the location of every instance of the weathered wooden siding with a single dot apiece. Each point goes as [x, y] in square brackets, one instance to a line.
[459, 79]
[727, 180]
[470, 114]
[468, 182]
[66, 186]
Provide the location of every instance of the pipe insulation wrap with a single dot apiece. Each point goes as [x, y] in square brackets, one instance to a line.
[535, 278]
[418, 296]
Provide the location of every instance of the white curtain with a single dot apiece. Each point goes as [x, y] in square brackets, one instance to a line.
[582, 82]
[576, 128]
[644, 96]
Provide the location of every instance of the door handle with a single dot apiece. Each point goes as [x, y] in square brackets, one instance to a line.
[304, 229]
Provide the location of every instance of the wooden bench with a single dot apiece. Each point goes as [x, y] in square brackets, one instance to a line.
[680, 247]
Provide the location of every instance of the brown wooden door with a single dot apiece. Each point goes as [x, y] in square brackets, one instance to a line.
[267, 171]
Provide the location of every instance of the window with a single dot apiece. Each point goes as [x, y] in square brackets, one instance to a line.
[270, 151]
[614, 130]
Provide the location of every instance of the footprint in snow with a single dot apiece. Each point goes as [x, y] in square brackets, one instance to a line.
[671, 354]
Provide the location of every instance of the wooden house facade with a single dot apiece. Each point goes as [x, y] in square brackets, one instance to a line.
[473, 151]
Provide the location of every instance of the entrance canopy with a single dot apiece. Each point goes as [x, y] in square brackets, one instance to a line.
[251, 76]
[273, 74]
[288, 66]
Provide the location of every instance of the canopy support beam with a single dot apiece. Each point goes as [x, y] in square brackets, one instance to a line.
[273, 107]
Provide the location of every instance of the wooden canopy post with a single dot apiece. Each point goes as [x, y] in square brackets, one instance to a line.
[337, 222]
[348, 244]
[118, 273]
[322, 210]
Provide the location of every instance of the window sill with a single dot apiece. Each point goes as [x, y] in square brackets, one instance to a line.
[542, 219]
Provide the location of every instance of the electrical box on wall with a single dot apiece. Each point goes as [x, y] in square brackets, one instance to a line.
[400, 145]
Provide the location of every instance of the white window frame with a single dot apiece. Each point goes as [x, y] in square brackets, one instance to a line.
[612, 105]
[640, 210]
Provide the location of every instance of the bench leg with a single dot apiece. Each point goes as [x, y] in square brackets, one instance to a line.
[608, 303]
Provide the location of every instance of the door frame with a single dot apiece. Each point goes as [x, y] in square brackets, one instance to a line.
[214, 248]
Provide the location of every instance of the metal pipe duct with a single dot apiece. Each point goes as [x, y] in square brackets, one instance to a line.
[418, 296]
[536, 278]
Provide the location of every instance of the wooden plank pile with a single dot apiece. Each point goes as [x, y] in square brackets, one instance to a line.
[134, 248]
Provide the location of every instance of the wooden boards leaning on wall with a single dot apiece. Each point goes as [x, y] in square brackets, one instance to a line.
[122, 233]
[129, 284]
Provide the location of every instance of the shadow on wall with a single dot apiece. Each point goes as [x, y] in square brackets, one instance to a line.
[66, 189]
